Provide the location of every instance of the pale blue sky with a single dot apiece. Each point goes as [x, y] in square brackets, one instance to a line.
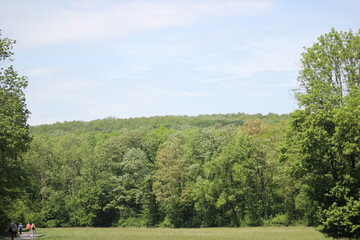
[88, 60]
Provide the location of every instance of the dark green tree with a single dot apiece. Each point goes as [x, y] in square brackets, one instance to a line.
[14, 130]
[326, 132]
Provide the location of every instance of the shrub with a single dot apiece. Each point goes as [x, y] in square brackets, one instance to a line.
[342, 221]
[278, 220]
[132, 222]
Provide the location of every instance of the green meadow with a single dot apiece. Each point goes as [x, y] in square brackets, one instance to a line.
[254, 233]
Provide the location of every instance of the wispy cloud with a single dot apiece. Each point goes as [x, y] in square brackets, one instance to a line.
[57, 24]
[91, 59]
[41, 72]
[70, 91]
[188, 94]
[278, 54]
[148, 93]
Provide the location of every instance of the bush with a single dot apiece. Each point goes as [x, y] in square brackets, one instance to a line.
[132, 222]
[342, 222]
[52, 223]
[252, 220]
[278, 220]
[167, 223]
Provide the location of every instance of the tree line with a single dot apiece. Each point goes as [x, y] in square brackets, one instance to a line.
[206, 171]
[226, 176]
[111, 124]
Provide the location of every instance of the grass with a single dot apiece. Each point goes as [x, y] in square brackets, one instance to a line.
[258, 233]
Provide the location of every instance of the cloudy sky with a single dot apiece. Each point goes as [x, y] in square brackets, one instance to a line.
[91, 59]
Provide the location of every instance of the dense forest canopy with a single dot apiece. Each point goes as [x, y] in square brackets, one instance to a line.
[111, 124]
[155, 174]
[201, 171]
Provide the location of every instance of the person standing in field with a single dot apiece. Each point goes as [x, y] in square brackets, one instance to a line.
[20, 228]
[28, 228]
[33, 228]
[13, 229]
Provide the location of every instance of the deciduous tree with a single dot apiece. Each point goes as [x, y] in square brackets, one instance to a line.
[14, 129]
[326, 130]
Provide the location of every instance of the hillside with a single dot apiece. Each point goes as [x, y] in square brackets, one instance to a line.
[111, 124]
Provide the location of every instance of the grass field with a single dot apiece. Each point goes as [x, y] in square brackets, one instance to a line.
[258, 233]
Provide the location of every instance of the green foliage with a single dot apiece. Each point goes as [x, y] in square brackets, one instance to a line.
[278, 220]
[342, 221]
[171, 181]
[111, 124]
[156, 177]
[329, 70]
[325, 134]
[14, 130]
[203, 171]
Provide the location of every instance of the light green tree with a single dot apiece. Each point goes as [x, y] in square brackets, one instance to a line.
[171, 180]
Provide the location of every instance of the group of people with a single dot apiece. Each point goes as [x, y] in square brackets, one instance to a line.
[14, 229]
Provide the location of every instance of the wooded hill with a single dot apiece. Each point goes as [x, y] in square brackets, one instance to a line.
[111, 124]
[171, 171]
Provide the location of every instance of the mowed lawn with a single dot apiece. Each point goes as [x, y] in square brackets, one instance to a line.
[255, 233]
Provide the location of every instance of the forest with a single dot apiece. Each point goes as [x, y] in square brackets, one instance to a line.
[215, 170]
[156, 176]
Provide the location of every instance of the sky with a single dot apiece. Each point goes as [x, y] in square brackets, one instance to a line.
[88, 59]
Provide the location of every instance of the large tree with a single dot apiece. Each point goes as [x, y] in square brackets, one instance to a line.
[326, 130]
[14, 130]
[171, 182]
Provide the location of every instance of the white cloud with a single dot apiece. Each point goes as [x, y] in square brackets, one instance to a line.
[71, 91]
[49, 24]
[214, 79]
[273, 54]
[40, 72]
[153, 94]
[188, 94]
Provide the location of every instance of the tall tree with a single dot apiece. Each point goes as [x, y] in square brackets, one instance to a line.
[324, 127]
[171, 186]
[14, 130]
[206, 172]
